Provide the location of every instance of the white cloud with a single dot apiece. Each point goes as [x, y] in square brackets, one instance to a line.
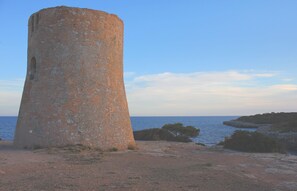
[11, 85]
[129, 74]
[265, 75]
[10, 96]
[288, 79]
[197, 93]
[10, 103]
[208, 93]
[285, 87]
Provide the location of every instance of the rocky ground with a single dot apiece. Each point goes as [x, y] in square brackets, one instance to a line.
[153, 166]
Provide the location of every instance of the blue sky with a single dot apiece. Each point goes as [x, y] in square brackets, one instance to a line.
[191, 57]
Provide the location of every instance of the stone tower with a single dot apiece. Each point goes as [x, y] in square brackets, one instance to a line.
[74, 91]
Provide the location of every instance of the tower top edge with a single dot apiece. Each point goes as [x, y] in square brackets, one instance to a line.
[77, 9]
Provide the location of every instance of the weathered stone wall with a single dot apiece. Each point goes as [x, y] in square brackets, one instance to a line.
[74, 91]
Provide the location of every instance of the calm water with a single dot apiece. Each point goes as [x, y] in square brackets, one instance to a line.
[212, 131]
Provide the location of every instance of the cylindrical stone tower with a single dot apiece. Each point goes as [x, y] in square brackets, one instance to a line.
[74, 91]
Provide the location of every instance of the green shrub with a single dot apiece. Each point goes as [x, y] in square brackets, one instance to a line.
[285, 127]
[157, 134]
[113, 149]
[169, 132]
[178, 129]
[252, 142]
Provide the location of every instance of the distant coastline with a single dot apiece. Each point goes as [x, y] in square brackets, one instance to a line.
[241, 124]
[277, 121]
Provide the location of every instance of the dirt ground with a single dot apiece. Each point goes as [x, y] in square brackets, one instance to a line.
[153, 166]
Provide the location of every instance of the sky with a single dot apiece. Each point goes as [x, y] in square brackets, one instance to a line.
[181, 58]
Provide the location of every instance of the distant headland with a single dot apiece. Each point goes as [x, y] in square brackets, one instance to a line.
[283, 122]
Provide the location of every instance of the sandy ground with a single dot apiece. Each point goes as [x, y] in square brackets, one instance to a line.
[153, 166]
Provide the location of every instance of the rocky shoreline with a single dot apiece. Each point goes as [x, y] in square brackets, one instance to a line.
[242, 124]
[289, 139]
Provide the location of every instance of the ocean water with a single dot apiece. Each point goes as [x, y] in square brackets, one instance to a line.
[212, 130]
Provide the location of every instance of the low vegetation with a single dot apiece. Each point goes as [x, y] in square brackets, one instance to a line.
[270, 118]
[179, 129]
[280, 122]
[113, 149]
[285, 127]
[252, 142]
[169, 132]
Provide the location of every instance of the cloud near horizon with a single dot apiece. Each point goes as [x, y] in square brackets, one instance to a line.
[190, 94]
[10, 96]
[209, 93]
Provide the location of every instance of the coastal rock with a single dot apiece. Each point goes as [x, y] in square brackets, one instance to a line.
[241, 124]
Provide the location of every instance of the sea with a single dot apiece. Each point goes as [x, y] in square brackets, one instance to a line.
[212, 130]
